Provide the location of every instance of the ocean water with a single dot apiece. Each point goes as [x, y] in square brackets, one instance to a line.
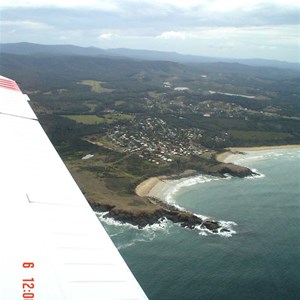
[258, 259]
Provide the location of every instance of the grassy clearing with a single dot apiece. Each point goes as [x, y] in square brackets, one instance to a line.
[96, 86]
[91, 106]
[110, 118]
[93, 119]
[111, 190]
[119, 102]
[85, 119]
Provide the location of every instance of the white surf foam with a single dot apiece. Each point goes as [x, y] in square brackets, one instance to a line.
[249, 157]
[204, 218]
[118, 230]
[175, 186]
[147, 234]
[257, 175]
[144, 239]
[227, 225]
[162, 223]
[113, 222]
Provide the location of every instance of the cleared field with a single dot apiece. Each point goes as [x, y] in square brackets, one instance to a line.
[85, 119]
[93, 119]
[96, 86]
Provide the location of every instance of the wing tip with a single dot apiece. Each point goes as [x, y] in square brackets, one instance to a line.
[8, 83]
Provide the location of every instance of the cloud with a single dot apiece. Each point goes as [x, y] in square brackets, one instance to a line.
[25, 24]
[106, 36]
[163, 5]
[106, 5]
[157, 15]
[186, 26]
[173, 35]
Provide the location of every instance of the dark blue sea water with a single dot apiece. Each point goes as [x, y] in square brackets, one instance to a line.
[260, 259]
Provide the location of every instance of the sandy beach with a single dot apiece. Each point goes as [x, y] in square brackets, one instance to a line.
[145, 187]
[156, 186]
[222, 157]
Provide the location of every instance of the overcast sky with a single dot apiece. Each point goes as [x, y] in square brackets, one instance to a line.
[221, 28]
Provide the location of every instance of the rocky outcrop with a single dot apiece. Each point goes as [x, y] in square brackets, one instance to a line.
[220, 169]
[143, 218]
[232, 169]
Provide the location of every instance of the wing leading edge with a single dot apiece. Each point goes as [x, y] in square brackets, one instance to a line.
[52, 244]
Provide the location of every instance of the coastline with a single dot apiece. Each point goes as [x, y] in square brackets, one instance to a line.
[157, 186]
[145, 187]
[154, 186]
[157, 192]
[224, 156]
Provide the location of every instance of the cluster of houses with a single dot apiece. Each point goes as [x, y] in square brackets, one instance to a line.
[207, 108]
[169, 85]
[152, 139]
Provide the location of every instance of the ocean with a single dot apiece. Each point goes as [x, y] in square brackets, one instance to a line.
[258, 259]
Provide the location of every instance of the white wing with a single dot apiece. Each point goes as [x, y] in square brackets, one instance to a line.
[45, 219]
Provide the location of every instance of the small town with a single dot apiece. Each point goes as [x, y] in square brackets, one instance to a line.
[152, 139]
[158, 141]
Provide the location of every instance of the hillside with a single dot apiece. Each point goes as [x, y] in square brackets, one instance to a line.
[118, 121]
[37, 49]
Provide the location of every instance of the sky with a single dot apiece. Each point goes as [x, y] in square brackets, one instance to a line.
[268, 29]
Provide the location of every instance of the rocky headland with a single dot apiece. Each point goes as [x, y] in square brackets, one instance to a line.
[164, 210]
[156, 209]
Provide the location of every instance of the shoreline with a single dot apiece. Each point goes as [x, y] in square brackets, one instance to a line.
[231, 151]
[156, 186]
[145, 187]
[156, 191]
[149, 187]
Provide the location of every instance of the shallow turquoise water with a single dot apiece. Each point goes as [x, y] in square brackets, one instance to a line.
[259, 261]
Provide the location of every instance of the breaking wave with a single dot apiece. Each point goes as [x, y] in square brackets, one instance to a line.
[249, 157]
[226, 229]
[174, 186]
[229, 232]
[126, 235]
[160, 225]
[256, 176]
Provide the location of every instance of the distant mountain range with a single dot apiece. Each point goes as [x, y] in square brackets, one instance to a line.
[38, 49]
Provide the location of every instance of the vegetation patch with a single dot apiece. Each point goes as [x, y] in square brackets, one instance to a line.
[256, 136]
[96, 86]
[91, 106]
[85, 119]
[94, 119]
[140, 128]
[119, 102]
[111, 118]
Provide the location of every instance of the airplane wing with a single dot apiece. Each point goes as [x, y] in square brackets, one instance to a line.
[52, 244]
